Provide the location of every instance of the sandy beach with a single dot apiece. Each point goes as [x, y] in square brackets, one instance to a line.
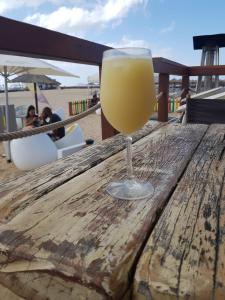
[91, 125]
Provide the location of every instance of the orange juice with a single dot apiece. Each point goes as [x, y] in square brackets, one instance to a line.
[127, 92]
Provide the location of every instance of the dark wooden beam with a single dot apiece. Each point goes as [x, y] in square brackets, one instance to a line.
[206, 70]
[163, 99]
[184, 86]
[28, 40]
[36, 98]
[166, 66]
[24, 39]
[107, 129]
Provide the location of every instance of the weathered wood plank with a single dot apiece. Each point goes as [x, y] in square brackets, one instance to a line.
[184, 257]
[43, 286]
[25, 190]
[220, 263]
[5, 293]
[77, 239]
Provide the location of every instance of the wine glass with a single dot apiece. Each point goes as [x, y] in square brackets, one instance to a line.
[127, 100]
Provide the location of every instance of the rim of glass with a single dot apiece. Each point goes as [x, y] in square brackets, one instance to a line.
[128, 51]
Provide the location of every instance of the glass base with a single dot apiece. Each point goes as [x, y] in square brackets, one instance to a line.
[130, 189]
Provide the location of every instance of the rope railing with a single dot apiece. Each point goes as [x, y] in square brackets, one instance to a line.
[7, 136]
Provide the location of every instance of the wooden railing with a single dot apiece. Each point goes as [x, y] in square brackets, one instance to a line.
[28, 40]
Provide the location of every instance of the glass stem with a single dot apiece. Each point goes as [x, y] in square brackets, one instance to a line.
[130, 173]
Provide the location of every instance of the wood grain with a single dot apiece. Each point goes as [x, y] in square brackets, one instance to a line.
[184, 257]
[219, 286]
[78, 236]
[25, 190]
[5, 293]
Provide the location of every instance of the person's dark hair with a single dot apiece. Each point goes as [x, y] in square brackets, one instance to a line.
[47, 111]
[31, 107]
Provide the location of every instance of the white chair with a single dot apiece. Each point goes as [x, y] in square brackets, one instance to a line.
[32, 152]
[212, 92]
[216, 93]
[98, 111]
[35, 151]
[73, 137]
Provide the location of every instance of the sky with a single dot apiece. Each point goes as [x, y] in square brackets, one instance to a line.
[165, 26]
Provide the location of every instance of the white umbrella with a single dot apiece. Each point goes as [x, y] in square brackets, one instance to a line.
[13, 65]
[20, 64]
[35, 79]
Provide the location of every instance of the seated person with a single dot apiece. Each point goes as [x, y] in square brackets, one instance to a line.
[31, 118]
[49, 117]
[94, 99]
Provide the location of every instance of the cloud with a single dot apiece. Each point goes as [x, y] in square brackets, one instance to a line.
[165, 52]
[126, 42]
[156, 50]
[78, 69]
[77, 20]
[169, 28]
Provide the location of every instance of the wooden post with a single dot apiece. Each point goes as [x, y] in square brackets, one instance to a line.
[36, 98]
[185, 86]
[163, 99]
[107, 129]
[70, 109]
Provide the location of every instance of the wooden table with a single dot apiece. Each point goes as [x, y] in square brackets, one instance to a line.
[63, 237]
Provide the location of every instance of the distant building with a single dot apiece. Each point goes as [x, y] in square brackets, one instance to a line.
[44, 82]
[49, 86]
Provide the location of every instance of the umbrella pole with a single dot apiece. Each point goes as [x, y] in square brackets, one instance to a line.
[36, 98]
[8, 152]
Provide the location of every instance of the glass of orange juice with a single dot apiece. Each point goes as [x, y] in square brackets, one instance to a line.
[127, 100]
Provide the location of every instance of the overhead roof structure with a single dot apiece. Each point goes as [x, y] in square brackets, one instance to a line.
[211, 40]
